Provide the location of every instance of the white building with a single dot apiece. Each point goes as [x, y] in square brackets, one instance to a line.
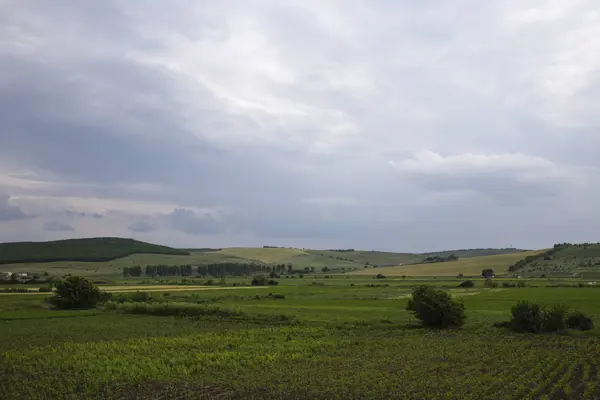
[5, 275]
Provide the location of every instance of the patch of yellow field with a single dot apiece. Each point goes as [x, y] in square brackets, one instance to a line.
[466, 266]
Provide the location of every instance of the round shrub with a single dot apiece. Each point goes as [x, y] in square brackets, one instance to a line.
[554, 318]
[535, 318]
[579, 320]
[526, 317]
[467, 284]
[77, 292]
[436, 308]
[259, 280]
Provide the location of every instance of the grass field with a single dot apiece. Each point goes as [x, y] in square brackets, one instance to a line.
[321, 338]
[466, 266]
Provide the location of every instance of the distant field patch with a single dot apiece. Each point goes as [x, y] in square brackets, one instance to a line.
[466, 266]
[269, 255]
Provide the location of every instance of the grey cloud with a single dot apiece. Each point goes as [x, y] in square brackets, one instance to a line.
[55, 226]
[95, 215]
[141, 226]
[9, 212]
[190, 222]
[286, 116]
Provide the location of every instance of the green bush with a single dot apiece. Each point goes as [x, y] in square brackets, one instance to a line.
[467, 284]
[259, 280]
[140, 297]
[535, 318]
[436, 308]
[380, 276]
[76, 292]
[579, 320]
[554, 318]
[490, 283]
[526, 317]
[45, 289]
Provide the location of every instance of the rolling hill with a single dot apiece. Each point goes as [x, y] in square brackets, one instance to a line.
[471, 266]
[108, 256]
[563, 259]
[382, 258]
[93, 249]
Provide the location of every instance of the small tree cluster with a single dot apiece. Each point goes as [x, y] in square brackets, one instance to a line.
[259, 280]
[467, 284]
[76, 292]
[536, 318]
[436, 308]
[579, 320]
[488, 273]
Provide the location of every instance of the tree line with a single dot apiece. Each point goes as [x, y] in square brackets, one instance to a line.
[436, 259]
[216, 269]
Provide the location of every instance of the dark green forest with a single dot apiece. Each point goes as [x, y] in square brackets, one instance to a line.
[94, 249]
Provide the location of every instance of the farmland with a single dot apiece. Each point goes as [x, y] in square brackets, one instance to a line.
[106, 258]
[325, 338]
[343, 334]
[466, 266]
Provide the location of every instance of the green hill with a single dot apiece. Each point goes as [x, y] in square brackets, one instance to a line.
[107, 257]
[383, 258]
[93, 249]
[468, 266]
[563, 259]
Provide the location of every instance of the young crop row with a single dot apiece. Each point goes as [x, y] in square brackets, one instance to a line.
[311, 362]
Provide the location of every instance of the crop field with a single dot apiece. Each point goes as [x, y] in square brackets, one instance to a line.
[465, 266]
[337, 338]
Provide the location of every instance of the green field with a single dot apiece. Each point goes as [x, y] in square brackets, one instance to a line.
[466, 266]
[321, 338]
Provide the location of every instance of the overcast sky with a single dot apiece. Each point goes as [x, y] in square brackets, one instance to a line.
[373, 124]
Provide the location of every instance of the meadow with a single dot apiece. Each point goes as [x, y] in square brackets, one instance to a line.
[341, 337]
[466, 266]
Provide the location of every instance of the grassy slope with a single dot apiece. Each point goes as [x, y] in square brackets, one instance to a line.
[466, 266]
[93, 249]
[269, 256]
[388, 258]
[580, 259]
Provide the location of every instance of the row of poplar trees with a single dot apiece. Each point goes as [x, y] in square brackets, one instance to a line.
[218, 269]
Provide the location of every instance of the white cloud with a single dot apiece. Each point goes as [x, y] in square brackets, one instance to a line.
[429, 162]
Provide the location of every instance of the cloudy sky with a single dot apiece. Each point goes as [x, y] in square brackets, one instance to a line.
[374, 124]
